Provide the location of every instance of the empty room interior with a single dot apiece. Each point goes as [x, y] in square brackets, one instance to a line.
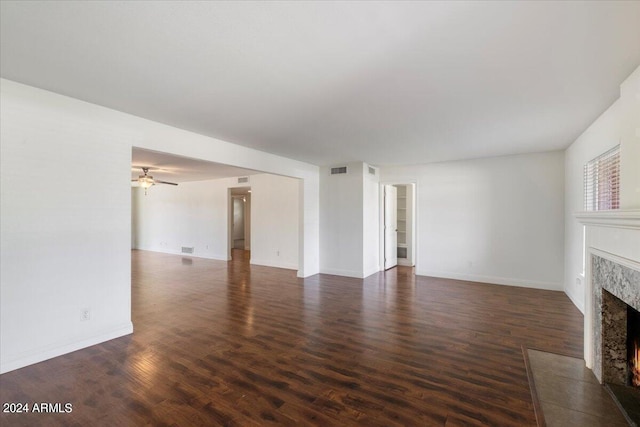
[320, 213]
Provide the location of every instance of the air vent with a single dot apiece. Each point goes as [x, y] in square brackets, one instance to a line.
[187, 250]
[372, 171]
[338, 170]
[243, 180]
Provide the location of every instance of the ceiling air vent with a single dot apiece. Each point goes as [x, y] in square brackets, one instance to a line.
[338, 170]
[243, 180]
[372, 171]
[187, 250]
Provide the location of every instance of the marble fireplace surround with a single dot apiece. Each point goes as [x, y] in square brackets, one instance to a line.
[614, 287]
[612, 280]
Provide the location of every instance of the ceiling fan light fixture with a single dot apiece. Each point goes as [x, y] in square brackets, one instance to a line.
[145, 181]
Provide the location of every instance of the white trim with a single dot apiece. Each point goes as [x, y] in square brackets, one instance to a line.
[41, 355]
[264, 263]
[579, 305]
[588, 306]
[494, 280]
[634, 265]
[340, 272]
[170, 252]
[619, 218]
[371, 271]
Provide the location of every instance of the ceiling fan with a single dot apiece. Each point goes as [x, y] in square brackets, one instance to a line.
[146, 181]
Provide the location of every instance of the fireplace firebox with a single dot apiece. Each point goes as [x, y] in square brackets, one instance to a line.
[633, 344]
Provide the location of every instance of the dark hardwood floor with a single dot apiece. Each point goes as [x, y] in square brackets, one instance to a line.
[219, 343]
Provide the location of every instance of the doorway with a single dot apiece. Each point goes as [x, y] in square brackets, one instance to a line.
[406, 224]
[390, 224]
[239, 222]
[398, 225]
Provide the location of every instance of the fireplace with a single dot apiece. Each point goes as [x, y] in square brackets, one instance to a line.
[616, 299]
[616, 291]
[612, 279]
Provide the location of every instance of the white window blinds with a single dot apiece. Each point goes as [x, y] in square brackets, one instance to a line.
[602, 181]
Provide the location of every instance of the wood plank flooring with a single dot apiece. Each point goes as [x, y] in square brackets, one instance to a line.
[219, 343]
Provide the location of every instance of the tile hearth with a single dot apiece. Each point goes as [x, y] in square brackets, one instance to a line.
[569, 394]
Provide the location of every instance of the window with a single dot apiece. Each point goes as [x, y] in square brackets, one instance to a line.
[602, 181]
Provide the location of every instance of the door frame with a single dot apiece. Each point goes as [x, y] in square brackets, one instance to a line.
[390, 221]
[414, 220]
[247, 218]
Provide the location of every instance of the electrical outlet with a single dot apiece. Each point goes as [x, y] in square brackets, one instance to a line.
[85, 315]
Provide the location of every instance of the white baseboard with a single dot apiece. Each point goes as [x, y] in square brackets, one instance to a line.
[371, 271]
[204, 256]
[345, 273]
[304, 275]
[575, 302]
[494, 280]
[266, 263]
[41, 355]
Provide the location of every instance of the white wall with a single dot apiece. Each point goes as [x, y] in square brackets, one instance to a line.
[247, 224]
[274, 221]
[619, 124]
[195, 214]
[630, 141]
[341, 221]
[411, 232]
[66, 239]
[134, 220]
[496, 220]
[370, 222]
[350, 221]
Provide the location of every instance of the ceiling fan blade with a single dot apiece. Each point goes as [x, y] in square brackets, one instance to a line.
[157, 181]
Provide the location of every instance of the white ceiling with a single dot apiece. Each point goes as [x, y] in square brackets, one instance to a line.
[329, 82]
[167, 167]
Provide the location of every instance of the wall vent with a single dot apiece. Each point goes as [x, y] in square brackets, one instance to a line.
[243, 180]
[187, 249]
[372, 171]
[338, 170]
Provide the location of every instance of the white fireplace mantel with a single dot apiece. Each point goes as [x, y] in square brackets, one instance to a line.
[628, 218]
[614, 235]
